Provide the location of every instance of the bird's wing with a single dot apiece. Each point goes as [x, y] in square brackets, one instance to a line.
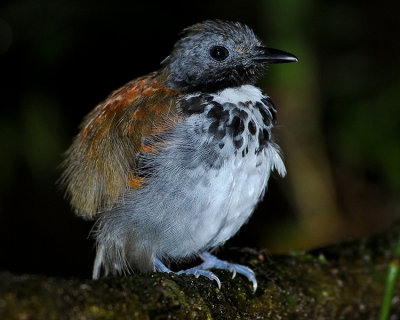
[101, 163]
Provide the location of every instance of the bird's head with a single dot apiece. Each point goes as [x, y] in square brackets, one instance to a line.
[216, 54]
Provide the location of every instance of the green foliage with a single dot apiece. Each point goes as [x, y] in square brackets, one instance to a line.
[367, 139]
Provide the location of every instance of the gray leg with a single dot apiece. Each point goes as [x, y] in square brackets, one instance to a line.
[98, 262]
[212, 262]
[160, 267]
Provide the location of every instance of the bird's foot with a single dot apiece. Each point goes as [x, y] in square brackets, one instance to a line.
[196, 271]
[199, 271]
[212, 262]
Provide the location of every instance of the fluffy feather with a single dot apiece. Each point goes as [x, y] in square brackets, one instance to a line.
[100, 165]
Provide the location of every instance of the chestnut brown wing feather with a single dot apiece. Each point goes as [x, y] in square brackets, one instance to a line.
[100, 165]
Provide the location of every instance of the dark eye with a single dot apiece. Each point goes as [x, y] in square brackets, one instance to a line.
[219, 53]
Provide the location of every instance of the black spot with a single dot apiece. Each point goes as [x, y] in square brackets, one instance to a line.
[247, 149]
[195, 105]
[263, 138]
[266, 135]
[267, 101]
[240, 113]
[260, 138]
[243, 153]
[221, 145]
[217, 112]
[243, 114]
[246, 104]
[237, 126]
[216, 131]
[213, 128]
[252, 127]
[265, 116]
[270, 105]
[238, 142]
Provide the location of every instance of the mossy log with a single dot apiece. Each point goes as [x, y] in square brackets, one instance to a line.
[345, 281]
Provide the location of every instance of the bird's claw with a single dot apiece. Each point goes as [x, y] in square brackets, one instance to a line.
[209, 262]
[196, 271]
[213, 262]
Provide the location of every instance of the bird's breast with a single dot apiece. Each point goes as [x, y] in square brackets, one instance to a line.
[232, 122]
[206, 180]
[221, 158]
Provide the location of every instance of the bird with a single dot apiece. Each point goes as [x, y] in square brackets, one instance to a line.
[172, 164]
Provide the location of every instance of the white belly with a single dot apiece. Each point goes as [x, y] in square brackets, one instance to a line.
[227, 198]
[224, 172]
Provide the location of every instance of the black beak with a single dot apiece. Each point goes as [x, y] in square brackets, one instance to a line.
[269, 55]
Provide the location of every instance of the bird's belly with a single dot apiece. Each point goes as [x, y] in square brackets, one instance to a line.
[206, 181]
[225, 199]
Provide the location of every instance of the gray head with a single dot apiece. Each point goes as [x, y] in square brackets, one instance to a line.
[214, 55]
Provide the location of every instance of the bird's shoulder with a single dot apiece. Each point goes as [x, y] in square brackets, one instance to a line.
[101, 163]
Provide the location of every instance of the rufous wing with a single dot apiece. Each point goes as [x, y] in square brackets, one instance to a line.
[101, 163]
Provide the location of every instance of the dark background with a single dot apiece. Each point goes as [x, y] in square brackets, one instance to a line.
[339, 118]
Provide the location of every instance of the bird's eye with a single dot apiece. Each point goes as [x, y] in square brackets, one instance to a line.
[219, 53]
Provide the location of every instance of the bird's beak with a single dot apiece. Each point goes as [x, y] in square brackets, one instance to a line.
[269, 55]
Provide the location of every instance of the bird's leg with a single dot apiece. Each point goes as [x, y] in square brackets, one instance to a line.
[161, 267]
[196, 271]
[211, 261]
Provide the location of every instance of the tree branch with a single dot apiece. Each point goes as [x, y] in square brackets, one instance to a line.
[344, 281]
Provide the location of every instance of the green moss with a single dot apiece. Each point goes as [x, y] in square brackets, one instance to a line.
[342, 281]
